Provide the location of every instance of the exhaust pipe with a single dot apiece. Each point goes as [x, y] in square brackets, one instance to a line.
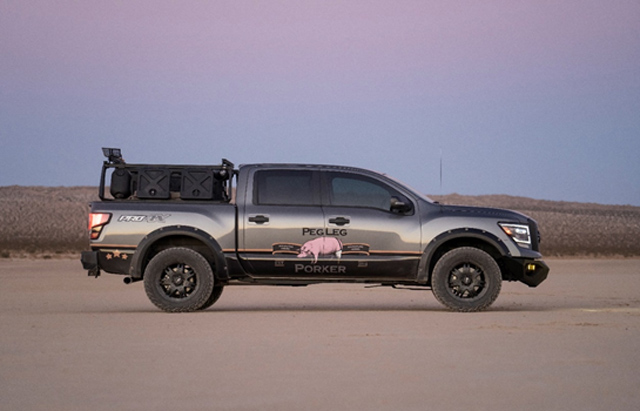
[131, 280]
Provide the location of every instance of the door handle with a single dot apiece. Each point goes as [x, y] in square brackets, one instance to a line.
[259, 219]
[339, 221]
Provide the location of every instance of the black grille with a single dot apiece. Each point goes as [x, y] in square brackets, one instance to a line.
[535, 235]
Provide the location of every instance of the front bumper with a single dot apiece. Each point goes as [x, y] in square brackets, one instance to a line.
[528, 271]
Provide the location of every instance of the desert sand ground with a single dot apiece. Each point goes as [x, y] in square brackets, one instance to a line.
[70, 342]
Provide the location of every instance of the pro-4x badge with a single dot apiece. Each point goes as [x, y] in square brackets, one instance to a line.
[154, 218]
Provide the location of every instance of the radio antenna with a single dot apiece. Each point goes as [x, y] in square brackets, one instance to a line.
[441, 172]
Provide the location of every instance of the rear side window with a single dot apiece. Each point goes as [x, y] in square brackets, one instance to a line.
[285, 187]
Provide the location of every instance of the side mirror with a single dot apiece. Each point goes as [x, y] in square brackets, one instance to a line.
[400, 207]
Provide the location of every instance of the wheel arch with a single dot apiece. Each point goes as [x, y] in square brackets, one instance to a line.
[178, 236]
[461, 237]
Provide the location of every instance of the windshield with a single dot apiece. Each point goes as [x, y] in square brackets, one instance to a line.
[409, 188]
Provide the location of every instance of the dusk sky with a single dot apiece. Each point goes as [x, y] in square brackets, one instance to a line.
[526, 98]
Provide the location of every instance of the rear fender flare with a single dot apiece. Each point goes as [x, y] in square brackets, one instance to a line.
[140, 259]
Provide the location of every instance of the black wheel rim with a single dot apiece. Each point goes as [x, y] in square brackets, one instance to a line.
[466, 281]
[178, 281]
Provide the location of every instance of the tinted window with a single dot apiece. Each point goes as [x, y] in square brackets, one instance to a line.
[284, 187]
[360, 191]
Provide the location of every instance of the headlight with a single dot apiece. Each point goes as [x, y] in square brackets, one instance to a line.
[519, 233]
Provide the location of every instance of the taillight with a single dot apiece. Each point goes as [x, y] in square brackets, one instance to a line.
[96, 222]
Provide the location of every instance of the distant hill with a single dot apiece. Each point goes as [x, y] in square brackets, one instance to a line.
[50, 221]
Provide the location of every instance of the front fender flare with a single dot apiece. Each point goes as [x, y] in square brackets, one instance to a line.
[475, 234]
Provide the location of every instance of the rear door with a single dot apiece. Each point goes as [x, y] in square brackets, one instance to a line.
[280, 213]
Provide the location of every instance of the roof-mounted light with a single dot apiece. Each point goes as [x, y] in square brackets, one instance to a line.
[113, 155]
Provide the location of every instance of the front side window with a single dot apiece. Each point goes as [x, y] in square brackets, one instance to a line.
[284, 187]
[360, 191]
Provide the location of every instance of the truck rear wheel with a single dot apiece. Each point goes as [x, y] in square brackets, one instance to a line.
[466, 279]
[178, 279]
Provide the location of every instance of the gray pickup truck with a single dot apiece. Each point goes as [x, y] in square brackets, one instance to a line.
[188, 231]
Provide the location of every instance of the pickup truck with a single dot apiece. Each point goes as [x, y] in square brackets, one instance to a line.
[188, 231]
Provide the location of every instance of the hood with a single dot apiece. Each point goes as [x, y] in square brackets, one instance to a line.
[506, 215]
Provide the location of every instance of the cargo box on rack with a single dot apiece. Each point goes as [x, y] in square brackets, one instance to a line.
[165, 182]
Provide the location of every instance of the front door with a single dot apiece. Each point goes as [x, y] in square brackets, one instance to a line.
[378, 241]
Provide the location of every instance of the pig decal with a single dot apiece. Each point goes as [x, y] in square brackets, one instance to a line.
[321, 246]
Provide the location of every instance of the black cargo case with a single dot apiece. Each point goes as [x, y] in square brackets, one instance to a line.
[165, 182]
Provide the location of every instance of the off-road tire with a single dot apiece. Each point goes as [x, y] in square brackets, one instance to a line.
[215, 295]
[466, 279]
[178, 280]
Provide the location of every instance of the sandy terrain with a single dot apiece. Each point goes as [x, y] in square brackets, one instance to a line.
[70, 342]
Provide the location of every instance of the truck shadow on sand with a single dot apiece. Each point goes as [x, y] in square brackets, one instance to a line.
[621, 306]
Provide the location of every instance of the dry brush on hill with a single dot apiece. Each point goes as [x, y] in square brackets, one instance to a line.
[46, 221]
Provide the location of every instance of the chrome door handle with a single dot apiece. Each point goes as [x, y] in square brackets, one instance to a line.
[339, 221]
[258, 219]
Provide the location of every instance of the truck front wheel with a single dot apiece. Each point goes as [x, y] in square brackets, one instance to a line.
[178, 279]
[215, 295]
[466, 279]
